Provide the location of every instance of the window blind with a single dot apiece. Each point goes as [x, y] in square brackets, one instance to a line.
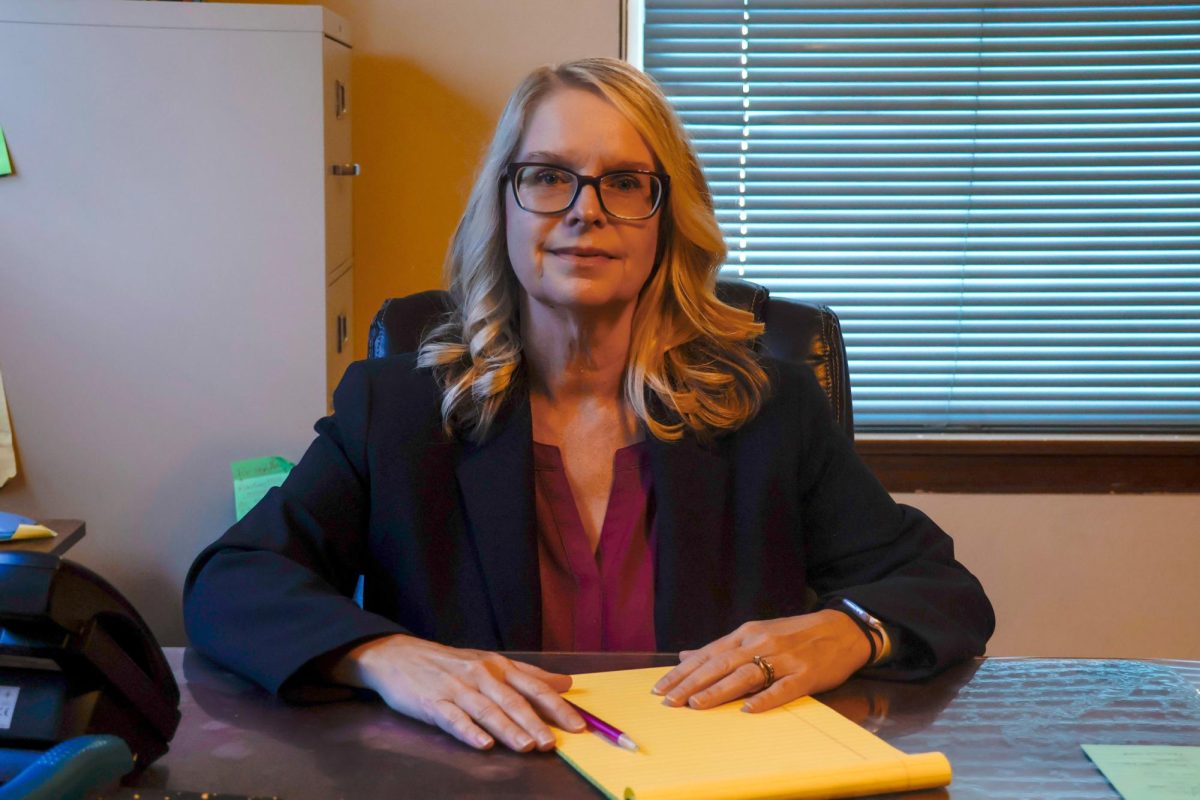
[1001, 200]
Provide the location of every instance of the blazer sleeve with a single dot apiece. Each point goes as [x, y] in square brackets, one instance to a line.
[276, 590]
[889, 558]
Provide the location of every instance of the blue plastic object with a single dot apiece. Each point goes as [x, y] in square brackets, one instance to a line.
[70, 769]
[9, 523]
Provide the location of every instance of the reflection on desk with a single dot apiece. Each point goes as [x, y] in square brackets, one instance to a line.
[1012, 728]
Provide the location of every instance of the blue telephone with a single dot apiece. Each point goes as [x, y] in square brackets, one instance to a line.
[66, 771]
[84, 687]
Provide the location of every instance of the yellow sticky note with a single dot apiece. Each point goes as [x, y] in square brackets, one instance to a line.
[5, 163]
[8, 454]
[33, 532]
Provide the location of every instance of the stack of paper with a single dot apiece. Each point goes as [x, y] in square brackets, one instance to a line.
[802, 749]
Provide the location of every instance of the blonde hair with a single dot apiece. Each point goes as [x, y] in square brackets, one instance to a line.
[690, 364]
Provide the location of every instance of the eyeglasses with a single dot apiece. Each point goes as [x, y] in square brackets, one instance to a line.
[550, 189]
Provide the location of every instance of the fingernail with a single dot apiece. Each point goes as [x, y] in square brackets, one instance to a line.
[656, 689]
[696, 702]
[524, 742]
[482, 740]
[545, 743]
[579, 726]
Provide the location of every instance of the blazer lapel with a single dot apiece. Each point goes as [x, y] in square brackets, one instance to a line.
[496, 480]
[693, 552]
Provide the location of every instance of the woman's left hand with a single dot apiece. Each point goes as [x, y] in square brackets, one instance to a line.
[809, 653]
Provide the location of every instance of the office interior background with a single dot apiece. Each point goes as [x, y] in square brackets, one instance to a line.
[1071, 574]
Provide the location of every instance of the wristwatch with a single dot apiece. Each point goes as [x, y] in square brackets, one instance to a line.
[872, 626]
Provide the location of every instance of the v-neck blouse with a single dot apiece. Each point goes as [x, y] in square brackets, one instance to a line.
[604, 600]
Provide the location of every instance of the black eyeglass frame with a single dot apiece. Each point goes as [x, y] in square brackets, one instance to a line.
[510, 174]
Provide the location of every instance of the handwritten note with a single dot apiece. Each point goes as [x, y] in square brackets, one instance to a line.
[254, 477]
[1149, 772]
[8, 455]
[5, 162]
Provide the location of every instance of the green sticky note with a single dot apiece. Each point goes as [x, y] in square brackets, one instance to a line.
[254, 477]
[1149, 772]
[5, 164]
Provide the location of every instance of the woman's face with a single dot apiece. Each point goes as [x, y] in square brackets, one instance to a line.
[581, 258]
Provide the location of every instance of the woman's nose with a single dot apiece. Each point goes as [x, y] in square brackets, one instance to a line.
[586, 208]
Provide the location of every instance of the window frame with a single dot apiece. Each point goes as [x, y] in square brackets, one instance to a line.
[1033, 464]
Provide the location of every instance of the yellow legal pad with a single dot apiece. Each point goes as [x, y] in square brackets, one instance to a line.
[801, 750]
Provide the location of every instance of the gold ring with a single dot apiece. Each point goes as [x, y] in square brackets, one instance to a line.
[767, 670]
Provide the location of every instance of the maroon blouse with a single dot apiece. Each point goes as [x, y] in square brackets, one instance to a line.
[603, 600]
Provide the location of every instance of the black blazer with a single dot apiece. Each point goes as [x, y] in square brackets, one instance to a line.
[753, 525]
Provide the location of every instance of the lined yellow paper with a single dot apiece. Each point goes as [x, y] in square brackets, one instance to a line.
[801, 750]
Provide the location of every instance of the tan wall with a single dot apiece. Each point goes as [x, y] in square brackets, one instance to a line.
[1078, 575]
[1081, 575]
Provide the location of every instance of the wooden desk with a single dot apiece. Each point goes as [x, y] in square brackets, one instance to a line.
[69, 532]
[1010, 727]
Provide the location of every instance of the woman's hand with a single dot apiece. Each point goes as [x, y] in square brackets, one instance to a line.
[473, 695]
[809, 653]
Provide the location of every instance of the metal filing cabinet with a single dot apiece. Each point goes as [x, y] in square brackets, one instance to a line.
[175, 257]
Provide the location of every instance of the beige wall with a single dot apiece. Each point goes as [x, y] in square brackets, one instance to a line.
[1081, 575]
[1069, 575]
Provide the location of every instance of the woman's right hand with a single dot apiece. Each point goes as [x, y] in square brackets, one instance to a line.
[474, 695]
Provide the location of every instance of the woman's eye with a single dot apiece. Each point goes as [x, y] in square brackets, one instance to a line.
[625, 183]
[549, 177]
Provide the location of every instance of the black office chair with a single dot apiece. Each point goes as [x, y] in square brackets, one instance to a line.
[795, 331]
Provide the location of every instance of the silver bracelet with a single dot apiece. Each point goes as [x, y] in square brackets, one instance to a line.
[871, 623]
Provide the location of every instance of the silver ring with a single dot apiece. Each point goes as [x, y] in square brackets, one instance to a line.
[767, 670]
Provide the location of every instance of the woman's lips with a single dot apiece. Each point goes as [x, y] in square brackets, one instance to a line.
[581, 251]
[583, 256]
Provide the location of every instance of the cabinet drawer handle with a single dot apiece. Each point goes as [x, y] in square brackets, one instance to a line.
[346, 169]
[343, 332]
[339, 99]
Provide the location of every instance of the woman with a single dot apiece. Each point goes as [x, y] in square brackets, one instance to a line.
[585, 455]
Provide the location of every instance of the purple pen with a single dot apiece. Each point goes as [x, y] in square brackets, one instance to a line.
[601, 727]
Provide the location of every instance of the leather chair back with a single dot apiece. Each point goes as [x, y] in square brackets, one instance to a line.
[794, 331]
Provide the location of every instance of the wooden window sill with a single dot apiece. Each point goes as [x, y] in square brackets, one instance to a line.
[1002, 464]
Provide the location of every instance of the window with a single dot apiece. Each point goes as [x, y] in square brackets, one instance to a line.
[1001, 201]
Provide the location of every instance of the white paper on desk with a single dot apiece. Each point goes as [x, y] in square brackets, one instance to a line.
[8, 457]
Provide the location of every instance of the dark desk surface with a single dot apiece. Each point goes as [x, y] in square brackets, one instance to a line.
[1010, 727]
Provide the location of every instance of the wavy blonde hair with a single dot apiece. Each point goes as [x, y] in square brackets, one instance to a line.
[690, 364]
